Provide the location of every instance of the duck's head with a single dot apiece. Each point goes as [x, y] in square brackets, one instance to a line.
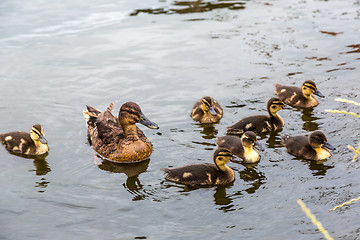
[207, 105]
[37, 134]
[309, 87]
[274, 105]
[318, 140]
[130, 113]
[222, 156]
[249, 140]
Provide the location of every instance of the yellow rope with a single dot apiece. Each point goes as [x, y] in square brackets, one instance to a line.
[345, 203]
[347, 101]
[345, 112]
[313, 220]
[357, 151]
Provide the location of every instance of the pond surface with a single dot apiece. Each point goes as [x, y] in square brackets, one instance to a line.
[58, 56]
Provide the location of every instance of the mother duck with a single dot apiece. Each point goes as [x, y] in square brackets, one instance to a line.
[119, 139]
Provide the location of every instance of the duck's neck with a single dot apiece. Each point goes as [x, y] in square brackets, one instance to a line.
[223, 167]
[322, 153]
[40, 147]
[275, 115]
[130, 132]
[250, 154]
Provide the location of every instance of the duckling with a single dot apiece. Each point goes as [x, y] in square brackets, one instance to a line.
[32, 144]
[119, 139]
[299, 97]
[204, 174]
[243, 147]
[311, 147]
[207, 110]
[261, 123]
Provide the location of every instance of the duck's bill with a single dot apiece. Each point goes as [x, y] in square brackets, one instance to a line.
[212, 111]
[329, 146]
[258, 146]
[236, 159]
[287, 107]
[318, 93]
[145, 121]
[42, 139]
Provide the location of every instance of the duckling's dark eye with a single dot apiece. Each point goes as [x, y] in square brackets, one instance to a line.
[273, 107]
[251, 140]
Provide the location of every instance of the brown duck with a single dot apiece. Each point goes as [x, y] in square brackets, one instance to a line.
[245, 147]
[207, 110]
[312, 147]
[204, 174]
[261, 123]
[299, 97]
[119, 139]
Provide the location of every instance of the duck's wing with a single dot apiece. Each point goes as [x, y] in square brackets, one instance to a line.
[218, 108]
[257, 124]
[297, 145]
[197, 112]
[289, 94]
[195, 174]
[233, 143]
[107, 126]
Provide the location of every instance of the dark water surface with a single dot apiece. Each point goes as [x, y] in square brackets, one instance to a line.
[58, 56]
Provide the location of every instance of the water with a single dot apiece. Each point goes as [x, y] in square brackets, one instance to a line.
[58, 56]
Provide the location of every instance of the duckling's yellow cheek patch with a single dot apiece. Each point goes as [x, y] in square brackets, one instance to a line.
[187, 174]
[283, 90]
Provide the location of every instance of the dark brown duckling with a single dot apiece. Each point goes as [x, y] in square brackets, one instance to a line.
[33, 143]
[311, 147]
[299, 97]
[244, 147]
[261, 123]
[119, 139]
[204, 174]
[207, 110]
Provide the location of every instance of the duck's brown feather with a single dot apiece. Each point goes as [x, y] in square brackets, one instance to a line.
[18, 142]
[257, 124]
[293, 96]
[299, 146]
[108, 139]
[199, 174]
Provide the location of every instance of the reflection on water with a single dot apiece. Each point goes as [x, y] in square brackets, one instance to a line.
[253, 177]
[185, 7]
[41, 169]
[318, 168]
[273, 139]
[309, 119]
[131, 170]
[208, 131]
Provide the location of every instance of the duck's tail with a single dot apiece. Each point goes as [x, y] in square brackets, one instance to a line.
[277, 89]
[91, 115]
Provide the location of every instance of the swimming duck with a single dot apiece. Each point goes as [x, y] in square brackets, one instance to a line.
[207, 110]
[204, 174]
[243, 147]
[261, 123]
[33, 143]
[299, 97]
[119, 139]
[311, 147]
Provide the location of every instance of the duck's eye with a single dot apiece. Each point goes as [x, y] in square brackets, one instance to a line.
[273, 107]
[250, 140]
